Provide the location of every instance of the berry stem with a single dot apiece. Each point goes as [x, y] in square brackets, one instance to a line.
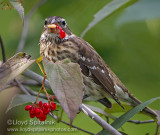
[38, 94]
[42, 87]
[46, 93]
[52, 97]
[44, 81]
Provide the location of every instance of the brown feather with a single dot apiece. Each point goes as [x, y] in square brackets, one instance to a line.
[86, 50]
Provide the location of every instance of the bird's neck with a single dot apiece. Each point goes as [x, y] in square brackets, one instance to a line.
[54, 48]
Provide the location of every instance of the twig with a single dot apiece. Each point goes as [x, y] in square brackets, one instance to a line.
[114, 118]
[157, 128]
[55, 117]
[21, 87]
[35, 93]
[141, 122]
[26, 25]
[27, 82]
[31, 82]
[36, 77]
[99, 120]
[2, 50]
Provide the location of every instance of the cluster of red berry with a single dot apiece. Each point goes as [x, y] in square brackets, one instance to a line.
[40, 110]
[62, 34]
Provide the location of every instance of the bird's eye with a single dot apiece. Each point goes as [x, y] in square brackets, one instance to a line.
[45, 23]
[63, 22]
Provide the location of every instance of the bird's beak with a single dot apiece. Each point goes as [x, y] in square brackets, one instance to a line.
[52, 28]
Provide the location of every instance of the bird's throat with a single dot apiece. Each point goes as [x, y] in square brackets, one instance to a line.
[57, 49]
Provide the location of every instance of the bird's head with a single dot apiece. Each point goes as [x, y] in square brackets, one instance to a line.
[55, 27]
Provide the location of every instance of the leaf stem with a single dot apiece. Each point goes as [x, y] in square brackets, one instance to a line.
[41, 68]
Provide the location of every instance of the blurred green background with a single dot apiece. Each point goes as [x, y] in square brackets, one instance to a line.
[128, 40]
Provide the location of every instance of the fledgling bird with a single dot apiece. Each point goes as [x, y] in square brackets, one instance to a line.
[57, 43]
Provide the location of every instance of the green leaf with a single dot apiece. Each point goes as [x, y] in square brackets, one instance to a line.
[66, 83]
[125, 117]
[109, 9]
[14, 67]
[21, 99]
[140, 11]
[17, 5]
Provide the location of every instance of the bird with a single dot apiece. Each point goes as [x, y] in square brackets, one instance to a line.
[57, 43]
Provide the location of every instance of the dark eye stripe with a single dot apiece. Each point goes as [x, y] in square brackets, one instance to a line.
[63, 22]
[45, 23]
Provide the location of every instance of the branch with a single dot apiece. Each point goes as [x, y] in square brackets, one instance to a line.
[26, 83]
[21, 87]
[99, 120]
[36, 93]
[98, 110]
[2, 50]
[36, 77]
[26, 25]
[30, 82]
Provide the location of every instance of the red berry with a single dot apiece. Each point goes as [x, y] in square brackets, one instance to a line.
[46, 105]
[37, 110]
[37, 116]
[40, 104]
[32, 111]
[43, 118]
[32, 115]
[28, 107]
[46, 111]
[62, 34]
[40, 114]
[53, 106]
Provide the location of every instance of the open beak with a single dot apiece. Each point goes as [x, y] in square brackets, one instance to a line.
[52, 28]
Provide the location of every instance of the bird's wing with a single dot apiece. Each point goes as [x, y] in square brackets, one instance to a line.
[103, 76]
[99, 70]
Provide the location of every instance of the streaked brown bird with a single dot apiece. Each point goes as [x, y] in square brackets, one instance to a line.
[57, 43]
